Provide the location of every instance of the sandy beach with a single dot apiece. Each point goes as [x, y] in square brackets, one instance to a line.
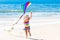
[41, 29]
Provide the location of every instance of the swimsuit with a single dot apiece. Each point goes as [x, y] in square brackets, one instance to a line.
[27, 27]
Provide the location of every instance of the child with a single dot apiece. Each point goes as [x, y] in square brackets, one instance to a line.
[26, 22]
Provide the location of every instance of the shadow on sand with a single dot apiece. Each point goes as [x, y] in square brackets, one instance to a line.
[35, 39]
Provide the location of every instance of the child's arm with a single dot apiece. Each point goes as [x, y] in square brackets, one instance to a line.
[30, 15]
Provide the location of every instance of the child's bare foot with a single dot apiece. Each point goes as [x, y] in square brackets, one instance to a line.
[30, 34]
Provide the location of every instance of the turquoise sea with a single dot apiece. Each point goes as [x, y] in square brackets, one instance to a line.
[39, 10]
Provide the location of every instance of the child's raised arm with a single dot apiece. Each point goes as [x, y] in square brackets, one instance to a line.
[30, 15]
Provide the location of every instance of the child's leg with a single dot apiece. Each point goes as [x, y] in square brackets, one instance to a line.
[26, 33]
[29, 32]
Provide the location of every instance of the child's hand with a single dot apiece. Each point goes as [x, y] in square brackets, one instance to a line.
[31, 12]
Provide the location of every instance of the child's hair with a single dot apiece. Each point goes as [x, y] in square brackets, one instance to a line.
[27, 16]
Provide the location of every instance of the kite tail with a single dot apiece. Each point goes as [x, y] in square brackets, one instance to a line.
[22, 15]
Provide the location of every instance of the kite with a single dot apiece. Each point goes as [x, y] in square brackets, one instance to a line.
[25, 7]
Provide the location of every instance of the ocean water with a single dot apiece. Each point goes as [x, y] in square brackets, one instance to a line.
[39, 10]
[34, 14]
[33, 7]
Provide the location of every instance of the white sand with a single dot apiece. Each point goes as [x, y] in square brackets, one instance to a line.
[41, 29]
